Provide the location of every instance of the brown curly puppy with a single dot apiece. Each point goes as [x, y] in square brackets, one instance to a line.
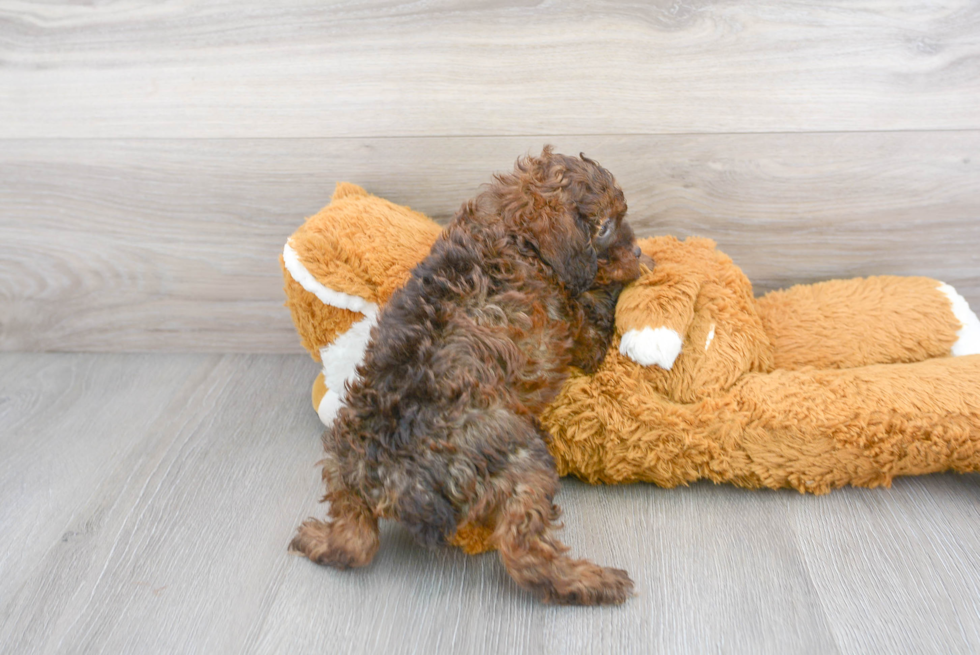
[439, 428]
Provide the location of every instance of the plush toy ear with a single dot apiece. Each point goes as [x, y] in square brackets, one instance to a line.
[347, 190]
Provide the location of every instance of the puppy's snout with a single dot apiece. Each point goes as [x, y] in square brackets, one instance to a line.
[637, 251]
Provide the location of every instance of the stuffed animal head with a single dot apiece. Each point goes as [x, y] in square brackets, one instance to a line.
[339, 267]
[691, 320]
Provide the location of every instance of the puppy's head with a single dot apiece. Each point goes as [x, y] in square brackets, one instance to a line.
[571, 213]
[618, 255]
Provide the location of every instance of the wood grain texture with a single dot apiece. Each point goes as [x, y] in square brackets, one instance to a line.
[165, 530]
[887, 546]
[173, 245]
[305, 68]
[163, 524]
[48, 469]
[711, 568]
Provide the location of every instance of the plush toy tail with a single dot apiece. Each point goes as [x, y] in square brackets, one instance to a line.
[968, 336]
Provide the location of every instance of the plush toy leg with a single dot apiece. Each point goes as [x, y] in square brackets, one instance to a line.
[326, 402]
[811, 430]
[968, 336]
[817, 430]
[862, 321]
[319, 391]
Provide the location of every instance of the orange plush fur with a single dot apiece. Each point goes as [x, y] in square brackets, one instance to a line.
[339, 267]
[813, 387]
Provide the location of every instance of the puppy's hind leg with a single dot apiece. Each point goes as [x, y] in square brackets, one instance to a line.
[348, 539]
[536, 560]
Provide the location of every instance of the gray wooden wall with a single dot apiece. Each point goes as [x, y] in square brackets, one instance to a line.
[155, 156]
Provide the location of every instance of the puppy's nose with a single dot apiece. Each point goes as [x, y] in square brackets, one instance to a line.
[637, 251]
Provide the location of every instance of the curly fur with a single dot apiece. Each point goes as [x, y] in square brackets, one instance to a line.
[439, 430]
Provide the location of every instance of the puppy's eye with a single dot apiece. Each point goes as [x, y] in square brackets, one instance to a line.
[605, 229]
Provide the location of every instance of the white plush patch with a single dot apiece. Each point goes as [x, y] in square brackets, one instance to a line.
[341, 358]
[327, 296]
[968, 342]
[711, 336]
[650, 346]
[329, 406]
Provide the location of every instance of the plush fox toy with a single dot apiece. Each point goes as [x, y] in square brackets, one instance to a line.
[818, 386]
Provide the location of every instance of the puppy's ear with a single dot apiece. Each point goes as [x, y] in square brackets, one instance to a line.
[564, 244]
[535, 202]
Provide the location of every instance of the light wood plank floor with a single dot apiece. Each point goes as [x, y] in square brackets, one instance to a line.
[146, 502]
